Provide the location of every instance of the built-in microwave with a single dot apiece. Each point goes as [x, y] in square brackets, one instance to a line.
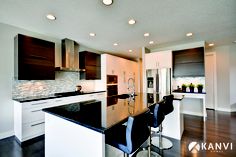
[112, 79]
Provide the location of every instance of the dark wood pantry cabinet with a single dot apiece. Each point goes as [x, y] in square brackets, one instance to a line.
[34, 58]
[90, 63]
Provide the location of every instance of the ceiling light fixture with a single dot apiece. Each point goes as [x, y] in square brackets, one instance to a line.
[130, 50]
[151, 42]
[189, 34]
[211, 44]
[132, 21]
[146, 34]
[115, 44]
[107, 2]
[92, 34]
[234, 41]
[51, 17]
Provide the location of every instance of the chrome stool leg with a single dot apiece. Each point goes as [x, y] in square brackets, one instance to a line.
[161, 142]
[148, 153]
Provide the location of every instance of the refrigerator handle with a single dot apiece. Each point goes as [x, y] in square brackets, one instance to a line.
[157, 83]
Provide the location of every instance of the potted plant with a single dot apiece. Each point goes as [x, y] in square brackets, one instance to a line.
[184, 86]
[199, 88]
[191, 87]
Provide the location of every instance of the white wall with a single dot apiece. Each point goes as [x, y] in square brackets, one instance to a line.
[226, 76]
[8, 33]
[232, 72]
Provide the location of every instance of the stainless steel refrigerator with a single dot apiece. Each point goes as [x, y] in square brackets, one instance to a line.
[158, 84]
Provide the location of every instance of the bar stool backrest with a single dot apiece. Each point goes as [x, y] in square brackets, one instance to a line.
[137, 131]
[167, 104]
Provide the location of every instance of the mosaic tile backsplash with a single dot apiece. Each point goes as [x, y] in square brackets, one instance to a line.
[187, 80]
[64, 82]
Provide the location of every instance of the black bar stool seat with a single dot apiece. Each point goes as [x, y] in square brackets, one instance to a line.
[155, 120]
[167, 107]
[128, 138]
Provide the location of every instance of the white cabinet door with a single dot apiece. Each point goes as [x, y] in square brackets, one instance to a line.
[123, 74]
[112, 64]
[164, 59]
[156, 60]
[151, 60]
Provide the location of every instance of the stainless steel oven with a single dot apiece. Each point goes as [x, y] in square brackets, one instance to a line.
[112, 79]
[112, 90]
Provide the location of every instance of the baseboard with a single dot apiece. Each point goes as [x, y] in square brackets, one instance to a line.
[6, 134]
[192, 113]
[223, 109]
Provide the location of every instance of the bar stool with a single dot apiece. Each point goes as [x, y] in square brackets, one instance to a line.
[155, 119]
[130, 137]
[167, 107]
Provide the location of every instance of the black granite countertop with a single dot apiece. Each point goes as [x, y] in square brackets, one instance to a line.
[100, 115]
[53, 96]
[177, 91]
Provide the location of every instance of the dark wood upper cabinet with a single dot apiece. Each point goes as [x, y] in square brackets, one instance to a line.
[34, 58]
[188, 63]
[91, 64]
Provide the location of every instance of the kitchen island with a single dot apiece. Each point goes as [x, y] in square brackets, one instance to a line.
[80, 128]
[198, 110]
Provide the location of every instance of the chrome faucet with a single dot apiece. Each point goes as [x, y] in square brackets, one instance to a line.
[131, 86]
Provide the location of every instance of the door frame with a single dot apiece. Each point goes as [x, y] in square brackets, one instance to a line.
[213, 54]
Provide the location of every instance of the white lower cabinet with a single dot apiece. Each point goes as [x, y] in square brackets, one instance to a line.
[29, 117]
[31, 130]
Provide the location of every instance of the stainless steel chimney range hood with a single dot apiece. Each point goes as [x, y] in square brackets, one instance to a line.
[69, 56]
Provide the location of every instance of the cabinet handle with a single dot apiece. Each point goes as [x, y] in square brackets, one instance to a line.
[38, 57]
[36, 110]
[57, 100]
[124, 75]
[40, 103]
[37, 124]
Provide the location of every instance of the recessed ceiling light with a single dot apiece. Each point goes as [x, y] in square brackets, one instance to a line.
[51, 17]
[130, 50]
[211, 44]
[132, 21]
[151, 42]
[92, 34]
[189, 34]
[146, 34]
[107, 2]
[234, 41]
[115, 44]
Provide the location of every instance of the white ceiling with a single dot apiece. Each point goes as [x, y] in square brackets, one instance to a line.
[167, 21]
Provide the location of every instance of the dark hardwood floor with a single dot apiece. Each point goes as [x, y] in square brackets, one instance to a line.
[219, 127]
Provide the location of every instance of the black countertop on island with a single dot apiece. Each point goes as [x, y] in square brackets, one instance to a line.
[55, 95]
[102, 114]
[179, 91]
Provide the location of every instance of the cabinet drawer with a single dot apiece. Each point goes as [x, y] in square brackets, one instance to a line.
[36, 104]
[32, 130]
[32, 115]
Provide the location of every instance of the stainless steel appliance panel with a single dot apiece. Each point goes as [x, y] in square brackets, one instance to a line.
[159, 83]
